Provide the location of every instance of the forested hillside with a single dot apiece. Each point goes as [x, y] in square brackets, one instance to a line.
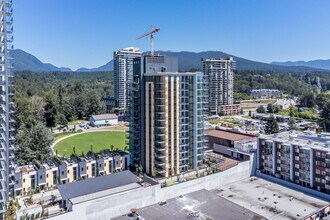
[295, 84]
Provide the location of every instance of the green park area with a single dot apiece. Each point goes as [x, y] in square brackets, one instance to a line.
[95, 141]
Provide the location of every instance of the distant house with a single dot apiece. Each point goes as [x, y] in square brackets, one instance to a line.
[103, 120]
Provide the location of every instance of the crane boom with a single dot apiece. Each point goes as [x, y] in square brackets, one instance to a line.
[152, 36]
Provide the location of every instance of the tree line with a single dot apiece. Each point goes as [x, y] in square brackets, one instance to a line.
[45, 100]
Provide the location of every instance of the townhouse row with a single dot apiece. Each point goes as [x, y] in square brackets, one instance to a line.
[46, 176]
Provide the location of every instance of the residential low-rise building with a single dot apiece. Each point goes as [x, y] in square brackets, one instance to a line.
[103, 120]
[46, 176]
[232, 143]
[302, 158]
[265, 93]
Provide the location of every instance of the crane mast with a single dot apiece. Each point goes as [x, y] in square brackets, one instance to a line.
[150, 33]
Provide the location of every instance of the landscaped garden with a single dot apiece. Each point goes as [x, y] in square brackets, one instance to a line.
[91, 141]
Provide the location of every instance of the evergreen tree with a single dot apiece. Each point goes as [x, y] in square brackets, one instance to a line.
[261, 109]
[325, 115]
[271, 125]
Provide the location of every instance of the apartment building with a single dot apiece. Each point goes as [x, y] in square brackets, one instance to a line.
[123, 73]
[302, 158]
[265, 93]
[7, 129]
[219, 75]
[167, 117]
[45, 176]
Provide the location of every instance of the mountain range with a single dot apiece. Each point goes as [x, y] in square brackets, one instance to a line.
[320, 64]
[187, 60]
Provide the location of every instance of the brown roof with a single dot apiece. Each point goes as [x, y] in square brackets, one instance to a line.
[228, 135]
[105, 116]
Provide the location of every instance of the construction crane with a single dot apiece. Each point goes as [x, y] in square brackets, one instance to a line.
[152, 36]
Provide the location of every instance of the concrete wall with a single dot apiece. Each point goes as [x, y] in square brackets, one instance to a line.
[294, 186]
[221, 149]
[119, 204]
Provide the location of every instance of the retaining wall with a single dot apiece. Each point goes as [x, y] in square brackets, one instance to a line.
[115, 205]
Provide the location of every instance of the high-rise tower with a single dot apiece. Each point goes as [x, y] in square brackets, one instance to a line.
[7, 139]
[219, 74]
[123, 74]
[166, 118]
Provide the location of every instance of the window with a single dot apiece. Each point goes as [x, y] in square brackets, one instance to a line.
[318, 180]
[47, 175]
[82, 169]
[296, 173]
[62, 172]
[68, 171]
[24, 180]
[296, 158]
[41, 177]
[296, 166]
[87, 168]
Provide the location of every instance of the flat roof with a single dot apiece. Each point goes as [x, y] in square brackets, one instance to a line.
[201, 204]
[271, 200]
[173, 73]
[104, 116]
[97, 184]
[104, 193]
[228, 135]
[303, 139]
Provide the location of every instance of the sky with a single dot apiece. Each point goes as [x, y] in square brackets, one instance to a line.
[84, 33]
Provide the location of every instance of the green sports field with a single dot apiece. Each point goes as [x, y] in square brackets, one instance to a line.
[83, 142]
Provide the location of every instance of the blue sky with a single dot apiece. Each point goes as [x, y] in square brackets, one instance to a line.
[81, 33]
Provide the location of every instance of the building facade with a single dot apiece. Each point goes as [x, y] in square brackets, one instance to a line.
[219, 75]
[265, 93]
[299, 157]
[123, 73]
[232, 143]
[7, 139]
[167, 117]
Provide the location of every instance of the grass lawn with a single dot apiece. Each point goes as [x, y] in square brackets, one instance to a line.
[83, 142]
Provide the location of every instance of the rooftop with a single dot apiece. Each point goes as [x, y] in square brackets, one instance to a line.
[104, 116]
[228, 135]
[265, 90]
[131, 49]
[25, 169]
[304, 139]
[269, 199]
[219, 59]
[201, 204]
[172, 73]
[97, 184]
